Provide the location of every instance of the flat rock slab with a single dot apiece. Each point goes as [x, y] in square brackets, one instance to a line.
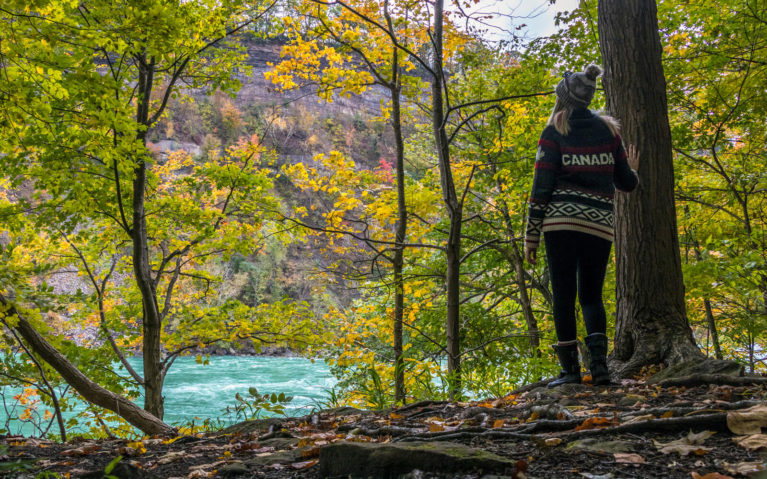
[360, 459]
[694, 367]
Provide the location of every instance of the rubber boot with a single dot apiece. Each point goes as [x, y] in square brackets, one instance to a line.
[597, 344]
[571, 368]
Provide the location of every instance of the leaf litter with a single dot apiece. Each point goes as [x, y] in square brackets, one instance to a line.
[704, 432]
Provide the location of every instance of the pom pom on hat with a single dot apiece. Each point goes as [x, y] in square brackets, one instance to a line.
[577, 89]
[592, 72]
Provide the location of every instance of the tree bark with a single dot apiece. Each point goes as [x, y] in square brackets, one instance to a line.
[710, 320]
[152, 319]
[454, 208]
[516, 260]
[515, 257]
[401, 228]
[92, 392]
[651, 323]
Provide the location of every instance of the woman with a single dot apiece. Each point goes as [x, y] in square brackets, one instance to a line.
[579, 164]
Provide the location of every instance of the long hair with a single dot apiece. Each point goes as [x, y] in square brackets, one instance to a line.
[560, 118]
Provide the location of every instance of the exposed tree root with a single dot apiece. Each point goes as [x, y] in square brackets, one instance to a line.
[718, 379]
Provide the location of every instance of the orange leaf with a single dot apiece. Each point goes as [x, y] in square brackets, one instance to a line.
[498, 423]
[303, 465]
[394, 415]
[710, 475]
[81, 451]
[436, 427]
[667, 414]
[594, 423]
[310, 452]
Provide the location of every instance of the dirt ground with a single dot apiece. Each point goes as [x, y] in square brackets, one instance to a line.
[631, 430]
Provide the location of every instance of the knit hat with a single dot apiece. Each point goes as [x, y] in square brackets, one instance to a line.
[577, 89]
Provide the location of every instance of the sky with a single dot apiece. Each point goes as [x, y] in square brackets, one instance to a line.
[537, 15]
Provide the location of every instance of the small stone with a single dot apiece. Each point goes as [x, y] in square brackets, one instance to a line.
[233, 469]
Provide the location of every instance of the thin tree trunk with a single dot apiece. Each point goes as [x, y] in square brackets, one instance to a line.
[651, 323]
[51, 391]
[401, 230]
[515, 259]
[152, 321]
[92, 392]
[710, 320]
[454, 208]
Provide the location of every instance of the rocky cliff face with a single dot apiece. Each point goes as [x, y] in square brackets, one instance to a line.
[256, 89]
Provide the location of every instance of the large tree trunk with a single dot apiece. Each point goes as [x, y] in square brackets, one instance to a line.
[86, 388]
[454, 208]
[651, 324]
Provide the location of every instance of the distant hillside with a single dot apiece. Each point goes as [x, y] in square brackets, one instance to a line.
[297, 126]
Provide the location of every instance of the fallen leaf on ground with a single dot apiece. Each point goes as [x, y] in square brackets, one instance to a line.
[628, 458]
[310, 452]
[304, 464]
[436, 427]
[172, 456]
[200, 473]
[595, 423]
[81, 451]
[699, 437]
[645, 417]
[395, 416]
[744, 468]
[690, 444]
[553, 441]
[667, 414]
[753, 442]
[748, 421]
[498, 423]
[710, 475]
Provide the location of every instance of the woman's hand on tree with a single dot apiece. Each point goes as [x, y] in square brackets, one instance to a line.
[632, 157]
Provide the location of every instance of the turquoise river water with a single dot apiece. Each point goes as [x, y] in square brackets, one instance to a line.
[195, 392]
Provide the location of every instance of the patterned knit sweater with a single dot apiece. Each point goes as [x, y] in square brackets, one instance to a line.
[575, 179]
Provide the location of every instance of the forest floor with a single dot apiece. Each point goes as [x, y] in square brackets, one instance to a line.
[683, 429]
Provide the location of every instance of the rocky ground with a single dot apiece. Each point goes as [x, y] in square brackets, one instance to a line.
[709, 427]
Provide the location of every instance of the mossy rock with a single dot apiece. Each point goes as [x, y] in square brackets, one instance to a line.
[358, 459]
[695, 367]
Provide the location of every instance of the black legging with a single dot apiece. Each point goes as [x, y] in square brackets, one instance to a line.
[577, 263]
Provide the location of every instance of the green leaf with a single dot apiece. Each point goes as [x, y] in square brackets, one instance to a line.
[112, 464]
